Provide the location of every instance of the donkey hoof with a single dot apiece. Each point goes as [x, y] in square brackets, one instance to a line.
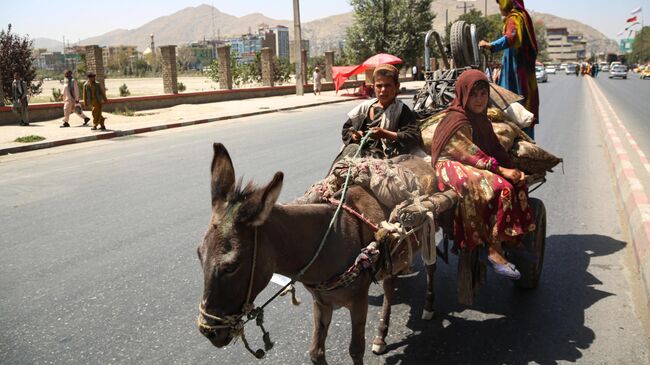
[427, 315]
[378, 349]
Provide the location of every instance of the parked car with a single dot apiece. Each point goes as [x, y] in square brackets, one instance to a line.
[645, 73]
[563, 67]
[618, 71]
[570, 68]
[550, 69]
[540, 73]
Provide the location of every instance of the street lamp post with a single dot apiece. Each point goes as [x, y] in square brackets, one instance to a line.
[297, 47]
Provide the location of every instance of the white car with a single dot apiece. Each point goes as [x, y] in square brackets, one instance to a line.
[604, 66]
[540, 73]
[550, 70]
[618, 71]
[570, 68]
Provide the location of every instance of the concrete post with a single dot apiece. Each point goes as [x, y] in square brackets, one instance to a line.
[267, 66]
[329, 63]
[303, 55]
[225, 69]
[95, 63]
[169, 72]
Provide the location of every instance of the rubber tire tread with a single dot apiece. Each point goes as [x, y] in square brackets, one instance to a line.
[460, 39]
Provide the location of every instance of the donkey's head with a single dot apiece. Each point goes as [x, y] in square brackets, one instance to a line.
[236, 266]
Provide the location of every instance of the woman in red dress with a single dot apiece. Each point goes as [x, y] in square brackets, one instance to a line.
[468, 158]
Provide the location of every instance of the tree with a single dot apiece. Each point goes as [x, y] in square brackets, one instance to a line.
[186, 58]
[488, 29]
[641, 46]
[16, 55]
[388, 26]
[542, 45]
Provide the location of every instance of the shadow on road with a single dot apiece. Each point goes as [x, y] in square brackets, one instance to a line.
[507, 325]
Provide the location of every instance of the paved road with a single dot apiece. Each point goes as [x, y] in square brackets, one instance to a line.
[98, 263]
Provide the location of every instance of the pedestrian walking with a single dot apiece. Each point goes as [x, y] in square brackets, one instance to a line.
[317, 80]
[94, 98]
[519, 47]
[19, 98]
[71, 100]
[414, 72]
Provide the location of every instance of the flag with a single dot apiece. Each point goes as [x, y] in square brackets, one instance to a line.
[632, 19]
[635, 11]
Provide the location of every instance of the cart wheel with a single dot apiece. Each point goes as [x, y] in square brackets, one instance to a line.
[461, 44]
[535, 241]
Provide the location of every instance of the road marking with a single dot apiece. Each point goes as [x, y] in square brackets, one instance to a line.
[635, 146]
[635, 200]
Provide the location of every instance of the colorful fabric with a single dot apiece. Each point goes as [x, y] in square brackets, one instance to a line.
[491, 209]
[520, 53]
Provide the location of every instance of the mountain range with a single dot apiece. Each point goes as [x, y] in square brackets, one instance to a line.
[206, 22]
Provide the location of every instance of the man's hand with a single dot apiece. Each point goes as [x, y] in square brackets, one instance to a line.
[484, 44]
[513, 175]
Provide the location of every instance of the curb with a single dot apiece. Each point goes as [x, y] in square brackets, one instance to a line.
[630, 189]
[128, 132]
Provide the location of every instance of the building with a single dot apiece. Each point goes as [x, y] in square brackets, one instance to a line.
[202, 54]
[565, 47]
[281, 41]
[50, 61]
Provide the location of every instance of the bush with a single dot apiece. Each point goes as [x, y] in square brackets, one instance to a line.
[181, 87]
[56, 95]
[29, 139]
[124, 90]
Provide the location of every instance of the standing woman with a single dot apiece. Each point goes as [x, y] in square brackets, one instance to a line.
[520, 53]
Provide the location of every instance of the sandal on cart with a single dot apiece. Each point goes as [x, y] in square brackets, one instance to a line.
[508, 270]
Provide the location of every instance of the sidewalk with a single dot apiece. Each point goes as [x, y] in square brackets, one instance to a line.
[158, 119]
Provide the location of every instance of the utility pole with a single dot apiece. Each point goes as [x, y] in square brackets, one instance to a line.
[297, 46]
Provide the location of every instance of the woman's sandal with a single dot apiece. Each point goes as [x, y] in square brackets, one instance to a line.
[508, 269]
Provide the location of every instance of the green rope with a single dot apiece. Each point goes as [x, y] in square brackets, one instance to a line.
[365, 138]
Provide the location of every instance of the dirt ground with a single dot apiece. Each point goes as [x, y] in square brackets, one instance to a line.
[137, 87]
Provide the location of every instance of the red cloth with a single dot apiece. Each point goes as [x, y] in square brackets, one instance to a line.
[342, 73]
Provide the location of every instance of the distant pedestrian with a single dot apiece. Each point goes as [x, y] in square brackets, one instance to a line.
[578, 70]
[19, 98]
[94, 98]
[317, 80]
[414, 72]
[71, 100]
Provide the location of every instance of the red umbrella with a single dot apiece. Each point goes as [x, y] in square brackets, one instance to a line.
[380, 59]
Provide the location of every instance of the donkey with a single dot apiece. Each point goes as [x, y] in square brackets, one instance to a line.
[249, 238]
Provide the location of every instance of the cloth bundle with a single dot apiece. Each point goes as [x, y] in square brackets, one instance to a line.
[527, 156]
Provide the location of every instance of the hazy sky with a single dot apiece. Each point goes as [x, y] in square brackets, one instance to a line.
[82, 19]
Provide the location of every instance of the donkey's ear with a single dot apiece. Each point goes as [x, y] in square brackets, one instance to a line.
[269, 197]
[223, 174]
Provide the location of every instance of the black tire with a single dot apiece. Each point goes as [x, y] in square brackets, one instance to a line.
[460, 39]
[535, 241]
